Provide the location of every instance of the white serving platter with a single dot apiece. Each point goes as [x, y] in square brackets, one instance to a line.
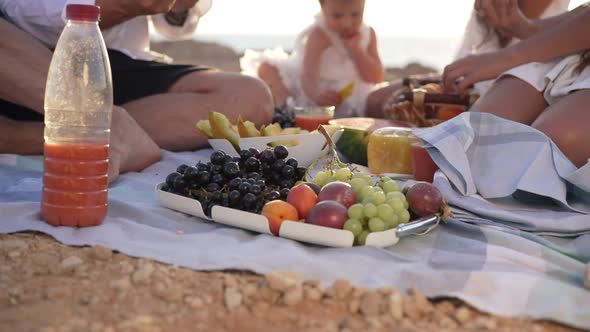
[309, 148]
[293, 230]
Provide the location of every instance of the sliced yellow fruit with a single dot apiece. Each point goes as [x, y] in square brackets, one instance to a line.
[205, 128]
[347, 91]
[291, 131]
[222, 128]
[247, 128]
[273, 129]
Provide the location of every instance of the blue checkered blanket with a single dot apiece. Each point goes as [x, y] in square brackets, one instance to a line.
[514, 255]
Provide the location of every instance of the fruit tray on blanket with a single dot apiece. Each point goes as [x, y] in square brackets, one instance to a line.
[299, 231]
[305, 147]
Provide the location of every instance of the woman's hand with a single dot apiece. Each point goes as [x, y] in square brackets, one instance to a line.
[505, 16]
[328, 98]
[463, 73]
[183, 5]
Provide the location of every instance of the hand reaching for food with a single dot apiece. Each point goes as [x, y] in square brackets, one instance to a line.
[329, 98]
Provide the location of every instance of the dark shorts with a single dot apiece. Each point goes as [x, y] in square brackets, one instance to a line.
[132, 79]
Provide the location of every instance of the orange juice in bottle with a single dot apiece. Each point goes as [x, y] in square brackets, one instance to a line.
[75, 184]
[78, 106]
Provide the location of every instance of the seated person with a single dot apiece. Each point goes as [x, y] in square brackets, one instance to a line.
[548, 86]
[480, 36]
[166, 100]
[336, 50]
[23, 70]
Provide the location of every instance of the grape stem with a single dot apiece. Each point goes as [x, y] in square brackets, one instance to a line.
[446, 211]
[335, 162]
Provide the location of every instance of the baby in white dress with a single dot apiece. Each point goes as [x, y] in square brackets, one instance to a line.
[336, 51]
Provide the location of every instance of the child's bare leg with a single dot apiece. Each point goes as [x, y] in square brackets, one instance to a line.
[566, 123]
[513, 99]
[270, 74]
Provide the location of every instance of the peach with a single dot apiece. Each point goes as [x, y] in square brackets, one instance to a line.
[303, 198]
[278, 211]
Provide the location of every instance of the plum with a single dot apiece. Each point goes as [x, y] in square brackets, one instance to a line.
[338, 191]
[328, 214]
[425, 199]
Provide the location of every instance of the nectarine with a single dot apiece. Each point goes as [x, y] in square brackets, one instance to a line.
[303, 198]
[278, 211]
[328, 214]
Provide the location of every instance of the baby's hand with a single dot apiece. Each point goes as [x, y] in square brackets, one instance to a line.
[329, 98]
[353, 42]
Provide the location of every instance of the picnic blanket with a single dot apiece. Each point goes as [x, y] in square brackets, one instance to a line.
[482, 258]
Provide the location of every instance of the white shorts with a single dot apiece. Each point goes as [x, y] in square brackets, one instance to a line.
[555, 79]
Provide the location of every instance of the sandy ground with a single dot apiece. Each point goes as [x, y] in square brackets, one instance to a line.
[46, 286]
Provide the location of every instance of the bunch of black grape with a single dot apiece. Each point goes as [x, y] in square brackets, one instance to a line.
[285, 116]
[246, 182]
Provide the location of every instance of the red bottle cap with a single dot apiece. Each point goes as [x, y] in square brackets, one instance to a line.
[88, 13]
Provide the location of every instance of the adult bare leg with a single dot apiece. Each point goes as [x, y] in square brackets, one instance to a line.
[378, 97]
[270, 74]
[567, 123]
[512, 99]
[19, 137]
[131, 148]
[170, 118]
[25, 63]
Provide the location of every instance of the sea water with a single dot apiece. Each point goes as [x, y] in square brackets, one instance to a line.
[394, 51]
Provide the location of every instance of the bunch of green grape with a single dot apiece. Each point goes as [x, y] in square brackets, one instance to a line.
[379, 206]
[326, 176]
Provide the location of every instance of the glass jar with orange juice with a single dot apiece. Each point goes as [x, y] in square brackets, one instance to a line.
[311, 117]
[389, 150]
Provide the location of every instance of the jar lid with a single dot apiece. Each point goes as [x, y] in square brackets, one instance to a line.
[88, 13]
[393, 131]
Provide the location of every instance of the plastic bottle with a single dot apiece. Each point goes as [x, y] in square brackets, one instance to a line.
[78, 106]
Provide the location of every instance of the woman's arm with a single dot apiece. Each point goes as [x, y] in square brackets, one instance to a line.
[518, 18]
[317, 43]
[367, 61]
[533, 9]
[568, 36]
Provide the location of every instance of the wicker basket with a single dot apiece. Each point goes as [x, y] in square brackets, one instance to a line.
[421, 102]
